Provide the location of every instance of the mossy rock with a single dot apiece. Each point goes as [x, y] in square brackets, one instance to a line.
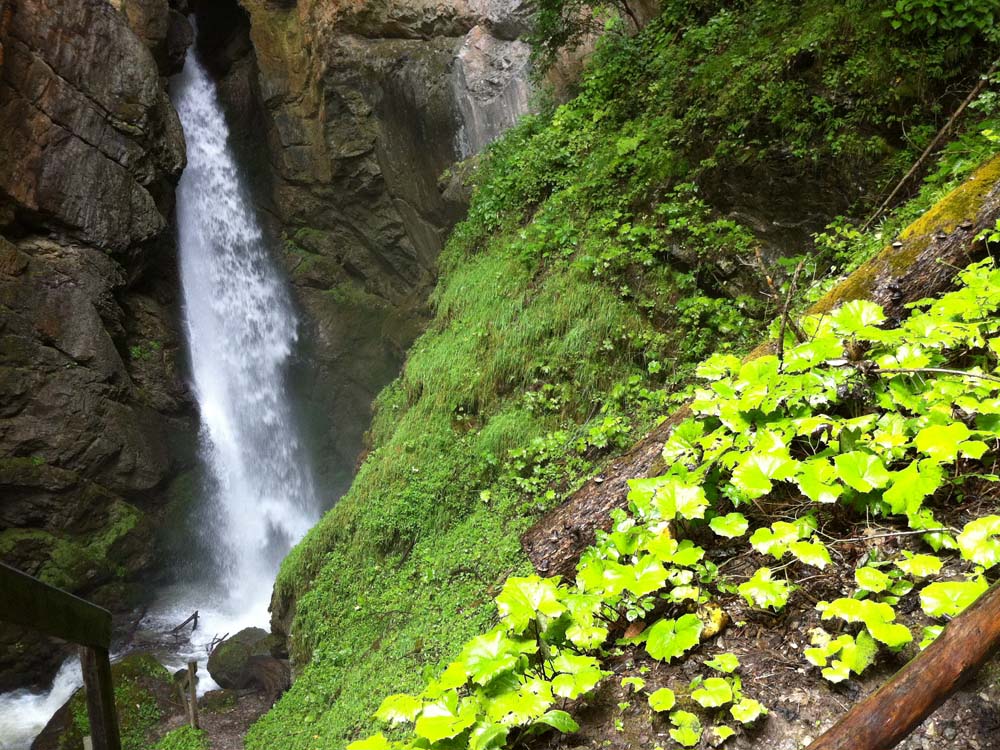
[230, 662]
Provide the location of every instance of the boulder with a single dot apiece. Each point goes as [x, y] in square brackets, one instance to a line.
[245, 661]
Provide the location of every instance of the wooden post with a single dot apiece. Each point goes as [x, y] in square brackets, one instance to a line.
[887, 716]
[100, 698]
[193, 694]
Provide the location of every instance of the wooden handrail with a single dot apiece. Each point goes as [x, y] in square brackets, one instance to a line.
[33, 604]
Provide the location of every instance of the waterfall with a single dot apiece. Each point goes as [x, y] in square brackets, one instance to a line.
[241, 330]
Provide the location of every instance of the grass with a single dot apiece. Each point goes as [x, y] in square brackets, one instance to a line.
[598, 263]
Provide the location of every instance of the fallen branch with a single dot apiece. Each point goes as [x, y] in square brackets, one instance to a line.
[887, 716]
[193, 618]
[932, 146]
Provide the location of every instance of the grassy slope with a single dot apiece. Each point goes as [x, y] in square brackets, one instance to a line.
[577, 293]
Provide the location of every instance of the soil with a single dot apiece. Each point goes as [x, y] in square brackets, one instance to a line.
[225, 727]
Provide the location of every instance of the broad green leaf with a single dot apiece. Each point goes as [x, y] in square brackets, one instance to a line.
[950, 598]
[730, 525]
[445, 718]
[719, 734]
[862, 471]
[872, 579]
[524, 599]
[454, 676]
[855, 316]
[714, 692]
[559, 720]
[978, 541]
[763, 591]
[375, 742]
[579, 675]
[818, 481]
[487, 656]
[669, 639]
[929, 635]
[521, 706]
[908, 487]
[687, 731]
[893, 634]
[636, 683]
[726, 663]
[719, 366]
[942, 442]
[811, 553]
[747, 711]
[488, 737]
[775, 540]
[662, 699]
[755, 473]
[648, 575]
[919, 566]
[399, 708]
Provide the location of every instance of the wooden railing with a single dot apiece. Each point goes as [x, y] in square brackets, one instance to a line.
[28, 602]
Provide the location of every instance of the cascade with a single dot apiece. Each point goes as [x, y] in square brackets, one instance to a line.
[241, 330]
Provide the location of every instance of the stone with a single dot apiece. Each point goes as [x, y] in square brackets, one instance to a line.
[244, 661]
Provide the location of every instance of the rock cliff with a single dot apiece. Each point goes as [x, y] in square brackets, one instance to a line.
[350, 114]
[95, 419]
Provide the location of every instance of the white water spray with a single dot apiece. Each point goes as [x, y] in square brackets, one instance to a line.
[241, 330]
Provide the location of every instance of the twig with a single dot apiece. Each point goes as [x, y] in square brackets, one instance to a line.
[933, 145]
[785, 320]
[894, 533]
[939, 371]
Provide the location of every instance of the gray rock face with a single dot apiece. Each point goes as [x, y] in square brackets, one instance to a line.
[363, 106]
[95, 418]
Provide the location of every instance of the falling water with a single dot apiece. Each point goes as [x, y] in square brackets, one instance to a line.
[241, 330]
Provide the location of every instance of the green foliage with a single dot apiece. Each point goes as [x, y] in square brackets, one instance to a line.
[598, 250]
[183, 738]
[962, 19]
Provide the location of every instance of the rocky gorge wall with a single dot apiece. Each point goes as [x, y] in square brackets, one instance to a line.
[348, 115]
[95, 418]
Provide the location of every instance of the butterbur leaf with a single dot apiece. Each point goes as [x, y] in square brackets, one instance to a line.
[855, 316]
[662, 699]
[726, 663]
[871, 579]
[719, 366]
[714, 692]
[445, 718]
[775, 540]
[929, 635]
[755, 473]
[488, 737]
[730, 525]
[636, 683]
[747, 711]
[399, 708]
[862, 471]
[979, 541]
[488, 656]
[763, 591]
[559, 720]
[523, 599]
[669, 639]
[908, 487]
[942, 442]
[818, 481]
[687, 728]
[719, 734]
[811, 553]
[375, 742]
[950, 598]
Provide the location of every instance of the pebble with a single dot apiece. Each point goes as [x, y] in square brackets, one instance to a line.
[949, 733]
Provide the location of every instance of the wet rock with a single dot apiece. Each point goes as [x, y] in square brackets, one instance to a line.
[244, 661]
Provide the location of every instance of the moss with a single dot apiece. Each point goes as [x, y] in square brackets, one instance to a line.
[184, 738]
[142, 685]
